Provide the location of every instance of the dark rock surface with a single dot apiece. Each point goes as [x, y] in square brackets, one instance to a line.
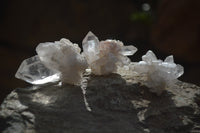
[118, 105]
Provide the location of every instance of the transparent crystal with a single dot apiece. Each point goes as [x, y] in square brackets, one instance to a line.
[179, 71]
[90, 47]
[33, 71]
[149, 57]
[169, 59]
[90, 42]
[128, 50]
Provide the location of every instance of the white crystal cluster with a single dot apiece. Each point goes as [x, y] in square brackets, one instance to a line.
[62, 61]
[64, 57]
[159, 74]
[103, 57]
[61, 58]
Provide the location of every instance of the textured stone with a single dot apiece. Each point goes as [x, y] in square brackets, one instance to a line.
[118, 105]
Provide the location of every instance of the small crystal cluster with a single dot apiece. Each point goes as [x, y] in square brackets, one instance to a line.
[159, 73]
[103, 57]
[62, 61]
[64, 57]
[61, 58]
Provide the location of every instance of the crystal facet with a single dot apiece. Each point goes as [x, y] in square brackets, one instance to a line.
[149, 57]
[128, 50]
[169, 59]
[104, 57]
[90, 47]
[159, 73]
[33, 71]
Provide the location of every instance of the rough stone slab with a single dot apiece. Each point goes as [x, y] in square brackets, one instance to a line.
[117, 103]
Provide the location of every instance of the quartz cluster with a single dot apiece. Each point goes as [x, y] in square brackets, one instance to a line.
[60, 59]
[63, 61]
[103, 57]
[159, 74]
[65, 57]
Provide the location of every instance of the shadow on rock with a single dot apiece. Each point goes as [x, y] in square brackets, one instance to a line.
[56, 109]
[117, 107]
[134, 105]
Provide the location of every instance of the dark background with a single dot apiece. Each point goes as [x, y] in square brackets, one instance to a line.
[164, 26]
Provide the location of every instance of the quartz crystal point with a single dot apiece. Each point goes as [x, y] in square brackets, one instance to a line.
[159, 74]
[33, 71]
[128, 50]
[90, 47]
[65, 57]
[104, 57]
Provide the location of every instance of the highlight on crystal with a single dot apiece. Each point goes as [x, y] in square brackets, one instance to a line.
[63, 61]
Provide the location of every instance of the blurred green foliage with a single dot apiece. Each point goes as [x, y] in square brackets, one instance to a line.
[141, 17]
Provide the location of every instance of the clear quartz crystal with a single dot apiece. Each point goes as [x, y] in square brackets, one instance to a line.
[128, 50]
[179, 71]
[169, 59]
[33, 71]
[149, 57]
[90, 47]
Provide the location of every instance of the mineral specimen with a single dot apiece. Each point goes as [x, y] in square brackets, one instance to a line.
[33, 71]
[65, 57]
[103, 57]
[62, 61]
[62, 58]
[159, 74]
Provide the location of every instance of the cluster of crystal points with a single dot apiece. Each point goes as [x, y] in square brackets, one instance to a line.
[59, 60]
[103, 57]
[62, 61]
[64, 57]
[159, 74]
